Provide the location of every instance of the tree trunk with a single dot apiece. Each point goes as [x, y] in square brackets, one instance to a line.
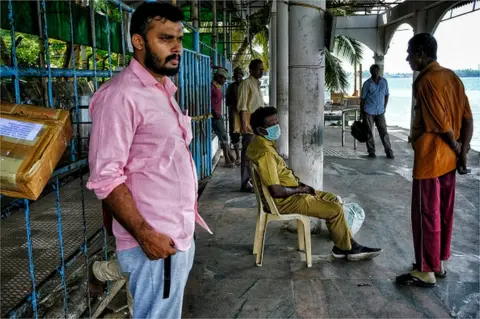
[67, 56]
[78, 63]
[240, 52]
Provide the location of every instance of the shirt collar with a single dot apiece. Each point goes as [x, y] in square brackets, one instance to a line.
[432, 65]
[266, 142]
[218, 85]
[148, 80]
[380, 79]
[257, 81]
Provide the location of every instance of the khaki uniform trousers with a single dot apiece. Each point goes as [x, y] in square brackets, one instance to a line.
[324, 206]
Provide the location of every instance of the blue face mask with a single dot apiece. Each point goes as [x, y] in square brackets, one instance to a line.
[273, 133]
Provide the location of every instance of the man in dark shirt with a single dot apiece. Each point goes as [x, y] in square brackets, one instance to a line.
[231, 99]
[219, 79]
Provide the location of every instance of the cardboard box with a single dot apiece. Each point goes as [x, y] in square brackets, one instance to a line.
[32, 141]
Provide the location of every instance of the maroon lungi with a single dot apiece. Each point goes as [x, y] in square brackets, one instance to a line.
[432, 220]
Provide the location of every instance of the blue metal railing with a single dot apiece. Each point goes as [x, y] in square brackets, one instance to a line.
[194, 96]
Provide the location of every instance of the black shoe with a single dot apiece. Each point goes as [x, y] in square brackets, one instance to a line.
[358, 253]
[408, 280]
[390, 156]
[372, 155]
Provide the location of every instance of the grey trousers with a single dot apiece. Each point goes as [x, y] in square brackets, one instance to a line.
[245, 168]
[147, 282]
[379, 121]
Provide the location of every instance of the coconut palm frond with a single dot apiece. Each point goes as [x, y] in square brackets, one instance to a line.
[348, 48]
[336, 79]
[261, 40]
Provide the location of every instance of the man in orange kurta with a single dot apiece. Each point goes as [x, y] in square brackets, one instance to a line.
[441, 134]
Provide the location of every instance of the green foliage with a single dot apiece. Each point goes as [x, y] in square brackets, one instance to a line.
[113, 10]
[28, 49]
[349, 49]
[261, 40]
[336, 79]
[335, 75]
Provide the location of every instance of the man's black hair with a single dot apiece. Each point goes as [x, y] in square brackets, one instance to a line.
[424, 42]
[147, 11]
[375, 66]
[254, 63]
[257, 119]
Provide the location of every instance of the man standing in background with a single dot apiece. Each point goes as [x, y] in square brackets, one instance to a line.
[219, 79]
[373, 105]
[441, 134]
[233, 116]
[249, 100]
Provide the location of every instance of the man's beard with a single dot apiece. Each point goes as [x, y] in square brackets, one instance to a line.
[154, 63]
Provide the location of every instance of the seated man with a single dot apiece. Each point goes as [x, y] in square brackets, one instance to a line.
[292, 196]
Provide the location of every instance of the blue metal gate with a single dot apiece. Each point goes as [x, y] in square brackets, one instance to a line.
[58, 236]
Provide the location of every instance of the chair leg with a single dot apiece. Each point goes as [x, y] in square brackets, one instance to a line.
[300, 235]
[261, 239]
[308, 240]
[255, 239]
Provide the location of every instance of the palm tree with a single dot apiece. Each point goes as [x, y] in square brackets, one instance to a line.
[258, 23]
[336, 79]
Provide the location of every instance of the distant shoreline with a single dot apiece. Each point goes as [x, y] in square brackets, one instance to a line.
[466, 73]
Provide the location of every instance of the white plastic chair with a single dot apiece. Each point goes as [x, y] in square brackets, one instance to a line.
[264, 217]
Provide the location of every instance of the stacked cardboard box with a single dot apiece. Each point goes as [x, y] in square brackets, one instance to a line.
[32, 141]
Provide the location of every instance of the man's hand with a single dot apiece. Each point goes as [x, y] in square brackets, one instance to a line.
[156, 245]
[457, 149]
[462, 164]
[243, 118]
[243, 129]
[308, 189]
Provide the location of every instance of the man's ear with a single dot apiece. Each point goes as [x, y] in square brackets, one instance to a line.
[138, 42]
[261, 131]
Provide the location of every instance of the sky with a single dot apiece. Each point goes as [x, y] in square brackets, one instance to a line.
[458, 46]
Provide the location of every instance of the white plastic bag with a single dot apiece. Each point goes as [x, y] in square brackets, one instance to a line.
[355, 215]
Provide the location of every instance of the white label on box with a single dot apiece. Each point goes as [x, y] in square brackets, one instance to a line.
[19, 130]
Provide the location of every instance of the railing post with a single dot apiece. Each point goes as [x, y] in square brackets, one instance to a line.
[355, 140]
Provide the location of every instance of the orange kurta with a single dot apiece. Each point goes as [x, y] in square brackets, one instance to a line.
[441, 106]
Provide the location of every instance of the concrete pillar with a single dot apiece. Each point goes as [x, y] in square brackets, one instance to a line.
[282, 77]
[195, 14]
[306, 90]
[379, 59]
[272, 88]
[420, 26]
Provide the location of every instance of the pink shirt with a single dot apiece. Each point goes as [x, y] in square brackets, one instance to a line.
[140, 137]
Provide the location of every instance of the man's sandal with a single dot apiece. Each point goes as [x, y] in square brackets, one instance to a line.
[437, 274]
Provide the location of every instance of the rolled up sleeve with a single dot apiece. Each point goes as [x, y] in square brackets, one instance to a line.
[113, 128]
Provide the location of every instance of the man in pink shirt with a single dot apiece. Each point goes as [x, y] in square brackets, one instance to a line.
[141, 166]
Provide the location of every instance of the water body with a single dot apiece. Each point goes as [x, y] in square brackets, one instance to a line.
[399, 105]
